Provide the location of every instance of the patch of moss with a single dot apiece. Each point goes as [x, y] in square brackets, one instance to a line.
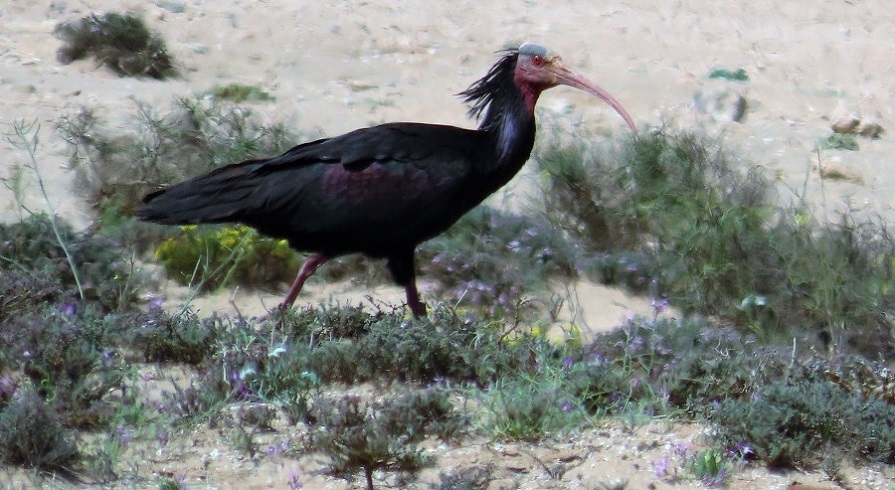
[838, 141]
[738, 75]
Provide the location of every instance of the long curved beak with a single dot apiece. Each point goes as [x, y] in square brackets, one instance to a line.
[567, 76]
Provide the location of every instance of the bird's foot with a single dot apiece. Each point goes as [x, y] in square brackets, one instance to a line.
[418, 309]
[278, 314]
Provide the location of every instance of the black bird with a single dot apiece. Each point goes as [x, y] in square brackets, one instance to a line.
[382, 190]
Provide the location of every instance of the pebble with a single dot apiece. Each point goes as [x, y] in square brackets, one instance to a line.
[722, 104]
[853, 125]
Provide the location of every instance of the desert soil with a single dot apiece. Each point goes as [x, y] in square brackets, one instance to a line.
[338, 65]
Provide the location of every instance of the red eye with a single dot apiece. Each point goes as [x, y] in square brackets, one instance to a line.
[537, 60]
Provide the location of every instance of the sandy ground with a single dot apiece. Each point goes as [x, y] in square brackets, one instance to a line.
[337, 65]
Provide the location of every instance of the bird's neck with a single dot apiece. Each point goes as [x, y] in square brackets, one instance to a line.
[510, 125]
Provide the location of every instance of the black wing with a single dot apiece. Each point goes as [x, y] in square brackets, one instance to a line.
[369, 190]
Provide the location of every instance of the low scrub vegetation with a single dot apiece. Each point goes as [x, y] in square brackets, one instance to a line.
[673, 215]
[782, 349]
[195, 136]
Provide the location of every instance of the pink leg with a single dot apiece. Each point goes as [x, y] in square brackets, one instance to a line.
[304, 273]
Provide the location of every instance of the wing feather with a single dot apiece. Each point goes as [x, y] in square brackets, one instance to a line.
[362, 191]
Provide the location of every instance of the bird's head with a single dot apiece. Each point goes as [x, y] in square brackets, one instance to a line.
[538, 69]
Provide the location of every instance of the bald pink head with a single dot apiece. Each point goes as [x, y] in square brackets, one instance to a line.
[538, 69]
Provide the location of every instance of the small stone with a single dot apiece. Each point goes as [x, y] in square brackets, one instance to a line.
[198, 47]
[830, 167]
[870, 130]
[723, 104]
[846, 126]
[360, 86]
[173, 6]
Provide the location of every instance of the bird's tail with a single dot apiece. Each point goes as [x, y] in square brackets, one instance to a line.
[222, 196]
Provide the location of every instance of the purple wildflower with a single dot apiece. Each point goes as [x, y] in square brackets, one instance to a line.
[659, 306]
[680, 449]
[294, 483]
[742, 450]
[7, 386]
[181, 480]
[108, 358]
[567, 363]
[156, 303]
[162, 437]
[276, 449]
[660, 468]
[717, 480]
[68, 308]
[124, 435]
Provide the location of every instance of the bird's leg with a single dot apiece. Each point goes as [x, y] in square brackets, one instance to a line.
[413, 299]
[307, 269]
[404, 273]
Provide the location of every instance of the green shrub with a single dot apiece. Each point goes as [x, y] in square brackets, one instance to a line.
[116, 170]
[426, 412]
[674, 215]
[368, 436]
[211, 257]
[27, 291]
[121, 42]
[32, 435]
[442, 345]
[528, 409]
[710, 467]
[32, 261]
[469, 478]
[179, 338]
[332, 321]
[237, 92]
[67, 357]
[795, 424]
[607, 389]
[491, 260]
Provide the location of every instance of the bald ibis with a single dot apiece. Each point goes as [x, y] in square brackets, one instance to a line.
[382, 190]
